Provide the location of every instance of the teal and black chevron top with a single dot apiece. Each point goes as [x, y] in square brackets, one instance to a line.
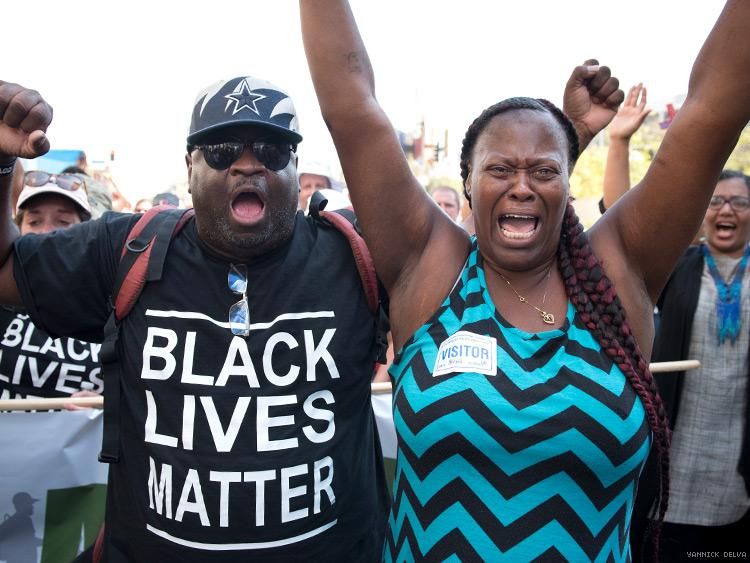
[538, 461]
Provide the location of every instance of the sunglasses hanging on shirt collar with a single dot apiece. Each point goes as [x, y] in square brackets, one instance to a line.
[239, 313]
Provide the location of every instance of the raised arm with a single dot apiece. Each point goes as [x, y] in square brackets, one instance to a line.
[655, 221]
[628, 120]
[24, 117]
[398, 218]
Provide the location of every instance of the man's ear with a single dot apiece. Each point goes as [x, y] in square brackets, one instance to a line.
[189, 164]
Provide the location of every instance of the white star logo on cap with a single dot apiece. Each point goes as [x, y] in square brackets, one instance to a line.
[243, 97]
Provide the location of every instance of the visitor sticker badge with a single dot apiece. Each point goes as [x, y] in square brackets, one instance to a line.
[466, 351]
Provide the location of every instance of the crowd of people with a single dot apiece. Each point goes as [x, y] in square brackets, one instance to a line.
[238, 422]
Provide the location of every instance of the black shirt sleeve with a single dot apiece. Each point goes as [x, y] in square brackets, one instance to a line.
[65, 278]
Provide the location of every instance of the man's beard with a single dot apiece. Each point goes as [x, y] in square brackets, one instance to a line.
[277, 230]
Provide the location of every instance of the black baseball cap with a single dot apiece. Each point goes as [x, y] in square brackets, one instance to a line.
[244, 100]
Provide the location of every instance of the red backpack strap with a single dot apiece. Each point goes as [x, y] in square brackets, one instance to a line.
[362, 256]
[146, 238]
[142, 259]
[98, 551]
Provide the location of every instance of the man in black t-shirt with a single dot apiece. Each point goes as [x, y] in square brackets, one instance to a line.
[246, 430]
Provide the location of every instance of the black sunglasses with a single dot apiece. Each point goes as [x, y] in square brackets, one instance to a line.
[38, 178]
[274, 156]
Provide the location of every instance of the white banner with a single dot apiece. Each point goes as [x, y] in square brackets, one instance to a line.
[381, 405]
[52, 488]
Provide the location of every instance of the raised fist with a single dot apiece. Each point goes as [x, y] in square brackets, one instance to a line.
[24, 118]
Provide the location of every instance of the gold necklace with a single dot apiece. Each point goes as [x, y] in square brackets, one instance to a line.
[547, 318]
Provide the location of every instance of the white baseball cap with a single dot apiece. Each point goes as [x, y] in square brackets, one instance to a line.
[51, 186]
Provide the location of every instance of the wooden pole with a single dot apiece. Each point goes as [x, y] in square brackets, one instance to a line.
[378, 388]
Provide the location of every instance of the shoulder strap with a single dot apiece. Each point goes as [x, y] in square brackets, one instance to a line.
[362, 257]
[141, 260]
[147, 238]
[345, 222]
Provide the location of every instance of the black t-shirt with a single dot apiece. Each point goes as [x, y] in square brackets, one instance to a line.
[231, 448]
[33, 364]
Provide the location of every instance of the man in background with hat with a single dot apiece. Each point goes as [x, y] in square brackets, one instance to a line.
[246, 430]
[18, 541]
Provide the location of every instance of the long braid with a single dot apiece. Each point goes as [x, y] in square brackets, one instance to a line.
[593, 295]
[599, 307]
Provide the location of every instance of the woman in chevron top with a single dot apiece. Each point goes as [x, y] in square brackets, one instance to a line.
[523, 401]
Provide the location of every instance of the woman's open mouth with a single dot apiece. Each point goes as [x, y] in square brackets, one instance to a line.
[518, 227]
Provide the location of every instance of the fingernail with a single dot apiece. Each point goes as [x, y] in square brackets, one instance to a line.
[592, 68]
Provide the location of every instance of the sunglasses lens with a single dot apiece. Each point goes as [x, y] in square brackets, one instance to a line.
[239, 318]
[237, 278]
[272, 156]
[221, 156]
[36, 178]
[68, 182]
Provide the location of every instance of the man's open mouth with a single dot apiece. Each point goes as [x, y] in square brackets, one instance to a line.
[248, 206]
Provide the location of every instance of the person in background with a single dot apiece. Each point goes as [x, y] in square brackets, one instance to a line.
[705, 316]
[34, 363]
[143, 205]
[100, 199]
[524, 405]
[310, 182]
[169, 199]
[628, 120]
[448, 200]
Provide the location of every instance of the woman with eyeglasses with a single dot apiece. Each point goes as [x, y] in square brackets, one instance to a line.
[523, 401]
[705, 315]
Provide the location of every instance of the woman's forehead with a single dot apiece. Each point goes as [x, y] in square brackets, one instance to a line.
[522, 130]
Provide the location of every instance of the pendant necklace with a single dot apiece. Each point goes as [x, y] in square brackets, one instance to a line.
[547, 318]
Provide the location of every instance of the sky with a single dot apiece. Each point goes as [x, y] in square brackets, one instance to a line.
[123, 76]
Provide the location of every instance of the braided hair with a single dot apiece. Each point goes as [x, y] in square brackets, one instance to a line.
[593, 295]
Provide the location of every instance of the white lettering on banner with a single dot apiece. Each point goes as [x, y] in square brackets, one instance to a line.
[36, 379]
[65, 371]
[55, 345]
[44, 362]
[294, 487]
[12, 337]
[61, 376]
[26, 345]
